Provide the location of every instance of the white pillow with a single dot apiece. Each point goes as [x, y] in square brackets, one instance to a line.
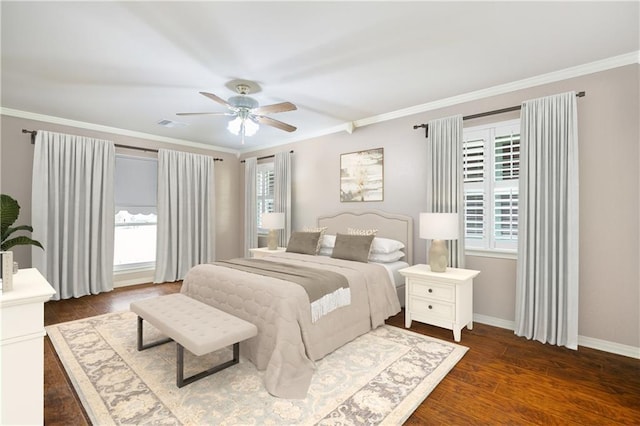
[385, 245]
[379, 246]
[386, 257]
[328, 241]
[373, 257]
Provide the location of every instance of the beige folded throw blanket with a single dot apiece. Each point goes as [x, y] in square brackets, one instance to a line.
[327, 290]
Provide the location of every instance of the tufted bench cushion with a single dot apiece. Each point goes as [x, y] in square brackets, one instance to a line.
[193, 325]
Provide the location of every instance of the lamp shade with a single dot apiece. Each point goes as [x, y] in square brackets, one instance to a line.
[439, 226]
[273, 220]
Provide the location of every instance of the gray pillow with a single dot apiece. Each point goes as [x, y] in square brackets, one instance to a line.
[304, 242]
[352, 247]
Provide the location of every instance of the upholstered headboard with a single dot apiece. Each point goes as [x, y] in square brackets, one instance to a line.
[389, 225]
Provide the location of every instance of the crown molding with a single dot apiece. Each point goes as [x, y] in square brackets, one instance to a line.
[114, 130]
[552, 77]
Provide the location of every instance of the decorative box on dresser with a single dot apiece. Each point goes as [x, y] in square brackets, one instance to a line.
[443, 299]
[22, 348]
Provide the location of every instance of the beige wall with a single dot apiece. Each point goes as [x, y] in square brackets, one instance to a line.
[609, 193]
[16, 160]
[609, 196]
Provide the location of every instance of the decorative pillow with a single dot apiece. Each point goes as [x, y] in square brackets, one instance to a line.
[328, 241]
[386, 257]
[352, 247]
[320, 229]
[356, 231]
[385, 245]
[303, 242]
[314, 229]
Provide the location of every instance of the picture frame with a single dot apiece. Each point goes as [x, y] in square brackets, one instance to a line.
[362, 176]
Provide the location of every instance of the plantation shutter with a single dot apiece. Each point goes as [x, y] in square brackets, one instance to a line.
[264, 190]
[474, 194]
[507, 173]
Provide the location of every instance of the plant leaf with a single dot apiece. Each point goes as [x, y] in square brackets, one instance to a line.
[17, 241]
[9, 210]
[11, 230]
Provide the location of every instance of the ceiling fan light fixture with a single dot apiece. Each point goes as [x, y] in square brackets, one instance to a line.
[250, 127]
[241, 125]
[235, 125]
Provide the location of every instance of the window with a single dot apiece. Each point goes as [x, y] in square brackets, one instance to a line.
[491, 162]
[136, 186]
[264, 192]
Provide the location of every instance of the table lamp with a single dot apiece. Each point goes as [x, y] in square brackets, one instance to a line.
[439, 227]
[273, 222]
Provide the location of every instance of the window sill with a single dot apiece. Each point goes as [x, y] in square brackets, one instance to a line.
[124, 269]
[499, 254]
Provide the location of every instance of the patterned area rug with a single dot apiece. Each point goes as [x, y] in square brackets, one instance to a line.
[378, 378]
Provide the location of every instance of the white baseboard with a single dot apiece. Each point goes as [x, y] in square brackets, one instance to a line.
[496, 322]
[611, 347]
[587, 342]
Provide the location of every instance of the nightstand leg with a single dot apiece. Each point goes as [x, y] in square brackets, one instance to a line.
[470, 325]
[407, 320]
[456, 334]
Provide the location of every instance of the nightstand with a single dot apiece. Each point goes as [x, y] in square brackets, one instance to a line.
[443, 299]
[263, 251]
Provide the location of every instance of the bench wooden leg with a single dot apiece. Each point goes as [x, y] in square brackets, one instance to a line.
[181, 381]
[141, 345]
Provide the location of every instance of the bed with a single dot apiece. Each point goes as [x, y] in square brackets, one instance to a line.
[288, 341]
[394, 226]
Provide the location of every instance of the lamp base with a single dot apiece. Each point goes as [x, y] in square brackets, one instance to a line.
[272, 240]
[438, 256]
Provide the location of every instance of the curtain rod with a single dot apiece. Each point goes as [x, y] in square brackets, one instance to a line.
[425, 126]
[266, 156]
[34, 132]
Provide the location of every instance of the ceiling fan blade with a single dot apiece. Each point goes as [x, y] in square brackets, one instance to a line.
[204, 113]
[217, 99]
[270, 109]
[275, 123]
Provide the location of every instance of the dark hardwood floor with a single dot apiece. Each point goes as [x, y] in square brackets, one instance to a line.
[502, 379]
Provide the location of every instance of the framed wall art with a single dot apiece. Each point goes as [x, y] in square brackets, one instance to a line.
[362, 176]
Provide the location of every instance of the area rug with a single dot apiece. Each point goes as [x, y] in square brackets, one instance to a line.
[378, 378]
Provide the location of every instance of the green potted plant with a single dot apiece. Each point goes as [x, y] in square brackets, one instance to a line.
[9, 211]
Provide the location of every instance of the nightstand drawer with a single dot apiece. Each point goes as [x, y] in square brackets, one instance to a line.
[436, 309]
[431, 290]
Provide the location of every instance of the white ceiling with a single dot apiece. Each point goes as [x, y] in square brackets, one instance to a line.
[128, 65]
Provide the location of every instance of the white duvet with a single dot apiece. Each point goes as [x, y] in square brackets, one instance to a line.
[288, 341]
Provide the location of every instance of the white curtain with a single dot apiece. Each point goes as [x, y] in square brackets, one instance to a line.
[250, 210]
[547, 277]
[73, 213]
[186, 209]
[282, 193]
[445, 192]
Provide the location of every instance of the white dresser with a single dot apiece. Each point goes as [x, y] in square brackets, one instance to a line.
[443, 299]
[22, 348]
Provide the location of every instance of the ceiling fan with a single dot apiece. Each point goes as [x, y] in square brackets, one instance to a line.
[247, 112]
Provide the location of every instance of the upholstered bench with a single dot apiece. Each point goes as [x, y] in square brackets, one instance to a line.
[193, 325]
